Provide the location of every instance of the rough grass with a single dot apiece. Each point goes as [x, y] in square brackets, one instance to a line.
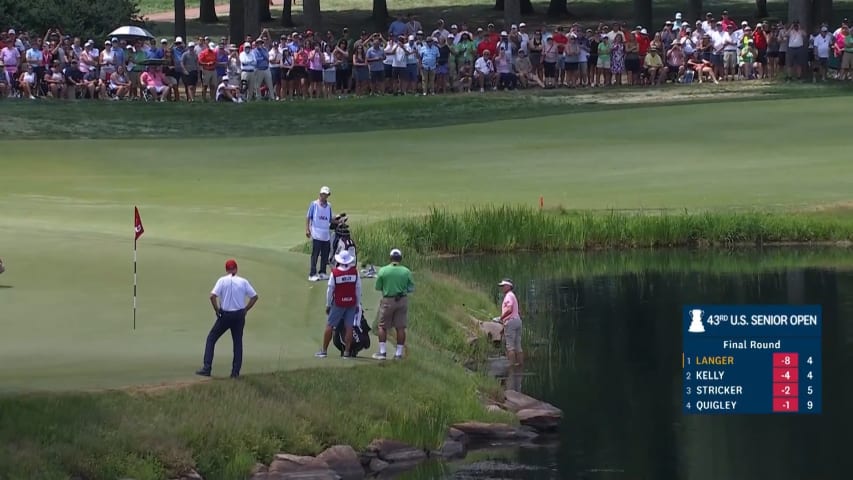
[222, 427]
[506, 228]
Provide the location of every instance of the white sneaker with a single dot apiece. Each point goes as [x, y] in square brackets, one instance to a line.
[323, 276]
[313, 278]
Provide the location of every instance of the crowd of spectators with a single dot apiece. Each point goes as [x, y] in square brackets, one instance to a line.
[409, 60]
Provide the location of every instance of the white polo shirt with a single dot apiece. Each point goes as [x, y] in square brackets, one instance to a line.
[232, 291]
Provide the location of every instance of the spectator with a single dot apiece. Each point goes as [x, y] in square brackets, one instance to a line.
[189, 71]
[655, 69]
[429, 54]
[207, 60]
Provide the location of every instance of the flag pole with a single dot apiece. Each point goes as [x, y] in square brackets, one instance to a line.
[134, 283]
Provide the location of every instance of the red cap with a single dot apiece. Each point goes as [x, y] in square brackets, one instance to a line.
[231, 264]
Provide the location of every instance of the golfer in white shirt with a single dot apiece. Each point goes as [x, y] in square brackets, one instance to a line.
[231, 291]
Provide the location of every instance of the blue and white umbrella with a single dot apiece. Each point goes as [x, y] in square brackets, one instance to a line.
[130, 33]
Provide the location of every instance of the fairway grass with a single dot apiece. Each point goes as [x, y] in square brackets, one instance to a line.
[67, 239]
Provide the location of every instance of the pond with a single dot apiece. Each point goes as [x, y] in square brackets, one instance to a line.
[603, 339]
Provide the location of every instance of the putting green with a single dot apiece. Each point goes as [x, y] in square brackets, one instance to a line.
[66, 228]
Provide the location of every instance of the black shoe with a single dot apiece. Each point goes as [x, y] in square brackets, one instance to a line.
[235, 375]
[203, 372]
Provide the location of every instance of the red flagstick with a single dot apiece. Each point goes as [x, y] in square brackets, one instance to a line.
[138, 231]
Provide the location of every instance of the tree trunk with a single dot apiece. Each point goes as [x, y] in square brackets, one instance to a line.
[499, 5]
[265, 13]
[287, 14]
[822, 12]
[526, 7]
[380, 15]
[180, 18]
[643, 13]
[207, 11]
[512, 12]
[252, 17]
[236, 29]
[694, 12]
[761, 9]
[558, 8]
[311, 11]
[800, 10]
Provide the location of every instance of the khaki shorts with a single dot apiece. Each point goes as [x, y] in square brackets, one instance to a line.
[847, 61]
[512, 335]
[393, 313]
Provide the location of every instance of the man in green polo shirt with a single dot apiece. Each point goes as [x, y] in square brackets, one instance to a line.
[395, 282]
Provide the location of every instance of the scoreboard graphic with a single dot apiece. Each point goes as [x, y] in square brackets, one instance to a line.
[751, 359]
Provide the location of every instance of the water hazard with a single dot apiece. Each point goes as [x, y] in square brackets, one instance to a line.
[603, 338]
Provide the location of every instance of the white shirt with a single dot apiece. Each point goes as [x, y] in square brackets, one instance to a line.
[321, 220]
[484, 66]
[232, 292]
[822, 44]
[248, 61]
[795, 40]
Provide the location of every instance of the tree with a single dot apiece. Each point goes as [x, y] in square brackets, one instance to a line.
[265, 13]
[287, 14]
[693, 12]
[252, 17]
[180, 18]
[311, 11]
[761, 9]
[236, 29]
[643, 13]
[512, 12]
[207, 11]
[526, 6]
[558, 8]
[800, 10]
[380, 14]
[822, 12]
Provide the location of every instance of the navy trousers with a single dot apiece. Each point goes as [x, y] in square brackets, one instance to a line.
[234, 321]
[320, 249]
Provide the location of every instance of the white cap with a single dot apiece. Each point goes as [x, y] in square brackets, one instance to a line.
[396, 253]
[644, 31]
[211, 45]
[191, 44]
[411, 37]
[11, 31]
[247, 45]
[179, 40]
[344, 258]
[503, 33]
[505, 282]
[744, 23]
[453, 26]
[513, 27]
[678, 16]
[522, 24]
[325, 190]
[225, 78]
[163, 40]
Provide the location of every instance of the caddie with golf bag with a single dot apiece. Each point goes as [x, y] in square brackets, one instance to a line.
[343, 297]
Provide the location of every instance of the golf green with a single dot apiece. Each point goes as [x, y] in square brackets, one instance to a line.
[66, 229]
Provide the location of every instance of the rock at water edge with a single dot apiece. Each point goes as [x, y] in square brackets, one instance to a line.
[292, 467]
[517, 401]
[393, 451]
[450, 449]
[457, 435]
[540, 420]
[344, 460]
[377, 465]
[492, 431]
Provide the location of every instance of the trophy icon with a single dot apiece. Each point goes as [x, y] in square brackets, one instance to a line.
[696, 322]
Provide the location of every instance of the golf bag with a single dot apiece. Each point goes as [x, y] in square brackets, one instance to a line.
[360, 335]
[342, 241]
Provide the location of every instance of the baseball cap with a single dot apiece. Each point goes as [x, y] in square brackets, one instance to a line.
[11, 31]
[179, 40]
[505, 282]
[396, 253]
[325, 190]
[522, 25]
[163, 40]
[211, 45]
[230, 264]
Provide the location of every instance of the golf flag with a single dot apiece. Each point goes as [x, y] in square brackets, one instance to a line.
[138, 231]
[137, 224]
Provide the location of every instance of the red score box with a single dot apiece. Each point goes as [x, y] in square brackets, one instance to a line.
[785, 405]
[785, 389]
[785, 360]
[786, 375]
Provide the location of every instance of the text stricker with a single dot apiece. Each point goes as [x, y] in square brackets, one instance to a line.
[716, 405]
[719, 390]
[715, 360]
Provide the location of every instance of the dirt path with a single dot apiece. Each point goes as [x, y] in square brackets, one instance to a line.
[192, 14]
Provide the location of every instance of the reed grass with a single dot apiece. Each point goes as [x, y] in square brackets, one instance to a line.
[223, 427]
[505, 228]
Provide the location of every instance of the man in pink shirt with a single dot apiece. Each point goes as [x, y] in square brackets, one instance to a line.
[512, 323]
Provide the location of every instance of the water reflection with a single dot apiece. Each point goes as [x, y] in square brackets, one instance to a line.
[606, 349]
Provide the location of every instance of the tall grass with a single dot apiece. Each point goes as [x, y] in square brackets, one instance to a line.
[502, 228]
[223, 427]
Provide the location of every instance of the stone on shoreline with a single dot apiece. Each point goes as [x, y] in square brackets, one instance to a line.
[457, 435]
[450, 449]
[540, 420]
[344, 460]
[190, 474]
[517, 401]
[297, 467]
[392, 451]
[377, 465]
[480, 431]
[492, 330]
